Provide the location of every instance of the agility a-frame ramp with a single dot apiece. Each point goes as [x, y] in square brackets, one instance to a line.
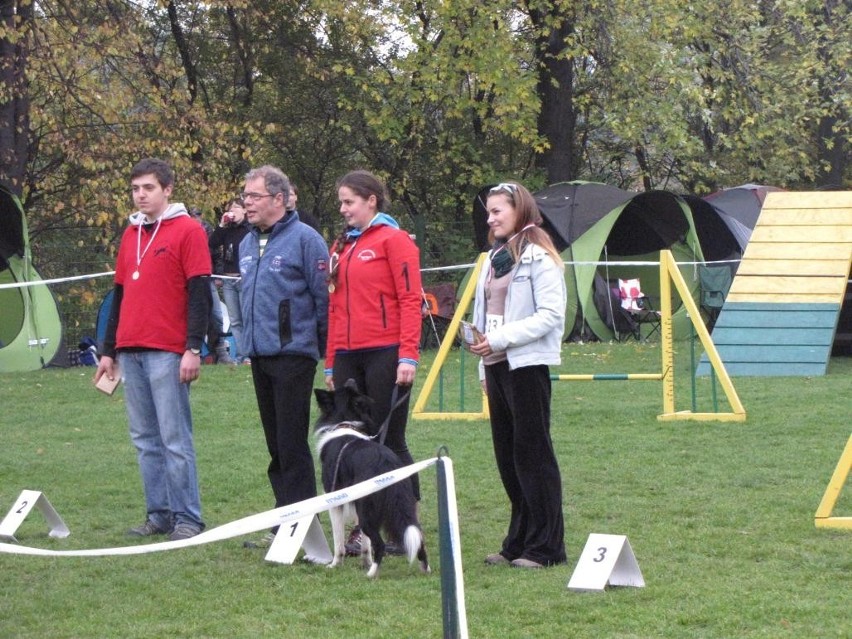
[781, 314]
[670, 276]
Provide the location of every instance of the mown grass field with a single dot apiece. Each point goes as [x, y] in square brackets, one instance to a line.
[720, 516]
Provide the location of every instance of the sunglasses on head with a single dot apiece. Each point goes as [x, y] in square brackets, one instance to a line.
[504, 186]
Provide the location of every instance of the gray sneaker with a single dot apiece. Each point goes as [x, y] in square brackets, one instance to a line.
[184, 531]
[263, 542]
[148, 529]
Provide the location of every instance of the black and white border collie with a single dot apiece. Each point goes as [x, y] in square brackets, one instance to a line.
[349, 455]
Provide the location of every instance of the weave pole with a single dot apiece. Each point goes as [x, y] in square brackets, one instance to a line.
[452, 580]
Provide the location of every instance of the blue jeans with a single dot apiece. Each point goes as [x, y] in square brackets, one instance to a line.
[231, 293]
[161, 430]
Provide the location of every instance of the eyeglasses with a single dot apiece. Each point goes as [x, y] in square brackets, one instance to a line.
[255, 196]
[505, 186]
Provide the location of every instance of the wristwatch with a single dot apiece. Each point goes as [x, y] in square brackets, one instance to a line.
[195, 351]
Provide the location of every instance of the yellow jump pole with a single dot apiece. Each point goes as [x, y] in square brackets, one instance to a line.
[666, 333]
[607, 377]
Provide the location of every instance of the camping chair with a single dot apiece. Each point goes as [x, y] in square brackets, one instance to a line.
[639, 306]
[438, 307]
[715, 281]
[608, 304]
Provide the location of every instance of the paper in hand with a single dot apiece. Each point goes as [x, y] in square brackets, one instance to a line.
[107, 385]
[469, 334]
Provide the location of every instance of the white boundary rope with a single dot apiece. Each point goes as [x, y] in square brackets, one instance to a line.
[434, 269]
[56, 280]
[246, 525]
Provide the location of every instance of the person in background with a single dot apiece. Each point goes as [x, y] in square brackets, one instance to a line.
[519, 307]
[216, 343]
[304, 216]
[156, 326]
[284, 303]
[374, 310]
[225, 248]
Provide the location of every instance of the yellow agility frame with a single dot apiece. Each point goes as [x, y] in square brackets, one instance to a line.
[669, 273]
[823, 518]
[444, 350]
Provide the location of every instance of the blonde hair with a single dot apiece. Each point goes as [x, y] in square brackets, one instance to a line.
[527, 222]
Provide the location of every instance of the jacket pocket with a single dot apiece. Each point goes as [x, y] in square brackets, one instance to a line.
[285, 330]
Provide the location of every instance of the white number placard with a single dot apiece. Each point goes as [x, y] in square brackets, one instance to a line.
[304, 533]
[27, 500]
[606, 560]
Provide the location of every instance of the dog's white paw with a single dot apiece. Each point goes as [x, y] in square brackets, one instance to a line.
[313, 559]
[373, 572]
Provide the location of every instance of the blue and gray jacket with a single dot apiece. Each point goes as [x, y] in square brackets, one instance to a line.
[284, 296]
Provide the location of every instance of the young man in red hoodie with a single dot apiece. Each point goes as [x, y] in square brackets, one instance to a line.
[157, 323]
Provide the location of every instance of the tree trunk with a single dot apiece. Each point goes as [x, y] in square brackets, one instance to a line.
[14, 113]
[558, 117]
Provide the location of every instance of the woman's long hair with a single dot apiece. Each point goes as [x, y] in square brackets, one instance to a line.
[365, 184]
[527, 222]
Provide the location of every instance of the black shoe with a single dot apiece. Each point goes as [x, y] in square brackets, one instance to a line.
[393, 548]
[263, 542]
[148, 529]
[184, 531]
[353, 544]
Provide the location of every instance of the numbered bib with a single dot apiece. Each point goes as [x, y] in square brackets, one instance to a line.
[492, 322]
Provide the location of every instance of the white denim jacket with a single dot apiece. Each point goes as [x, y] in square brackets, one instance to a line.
[534, 317]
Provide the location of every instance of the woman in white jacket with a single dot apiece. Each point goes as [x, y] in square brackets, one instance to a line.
[520, 310]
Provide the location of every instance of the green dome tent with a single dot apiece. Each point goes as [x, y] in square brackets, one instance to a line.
[30, 327]
[632, 233]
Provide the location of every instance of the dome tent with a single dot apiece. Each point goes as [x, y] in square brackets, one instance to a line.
[30, 327]
[632, 233]
[743, 202]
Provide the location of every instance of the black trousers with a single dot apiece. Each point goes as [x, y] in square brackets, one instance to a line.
[283, 385]
[519, 404]
[374, 371]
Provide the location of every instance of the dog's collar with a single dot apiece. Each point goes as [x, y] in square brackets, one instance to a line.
[325, 434]
[351, 425]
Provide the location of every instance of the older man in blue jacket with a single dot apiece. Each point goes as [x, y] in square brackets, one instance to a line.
[284, 303]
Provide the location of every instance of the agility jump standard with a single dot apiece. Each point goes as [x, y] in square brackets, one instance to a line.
[823, 517]
[669, 274]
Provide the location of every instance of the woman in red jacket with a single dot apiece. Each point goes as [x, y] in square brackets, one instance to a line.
[374, 306]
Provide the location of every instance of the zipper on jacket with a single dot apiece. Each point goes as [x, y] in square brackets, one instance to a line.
[253, 289]
[348, 305]
[405, 275]
[384, 311]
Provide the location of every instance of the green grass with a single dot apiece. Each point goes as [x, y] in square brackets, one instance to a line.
[719, 515]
